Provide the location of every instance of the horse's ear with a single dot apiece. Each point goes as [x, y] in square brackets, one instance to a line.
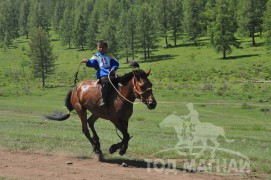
[136, 74]
[148, 73]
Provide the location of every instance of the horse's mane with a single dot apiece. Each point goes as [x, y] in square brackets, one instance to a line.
[127, 77]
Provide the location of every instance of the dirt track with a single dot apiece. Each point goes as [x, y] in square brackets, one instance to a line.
[30, 165]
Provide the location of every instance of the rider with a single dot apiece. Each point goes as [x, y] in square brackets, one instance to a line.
[104, 65]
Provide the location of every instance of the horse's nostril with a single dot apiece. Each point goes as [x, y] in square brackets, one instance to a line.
[152, 105]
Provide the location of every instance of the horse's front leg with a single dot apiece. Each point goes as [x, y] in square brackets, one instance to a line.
[91, 121]
[123, 145]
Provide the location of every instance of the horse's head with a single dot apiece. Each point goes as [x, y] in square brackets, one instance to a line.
[143, 88]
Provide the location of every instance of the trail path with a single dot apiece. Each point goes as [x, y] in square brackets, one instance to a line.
[41, 166]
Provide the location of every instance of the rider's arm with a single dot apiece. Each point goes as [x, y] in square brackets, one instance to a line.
[114, 64]
[92, 62]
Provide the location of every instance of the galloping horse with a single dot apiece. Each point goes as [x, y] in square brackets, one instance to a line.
[86, 95]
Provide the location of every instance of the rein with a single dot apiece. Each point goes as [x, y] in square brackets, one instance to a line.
[134, 88]
[118, 90]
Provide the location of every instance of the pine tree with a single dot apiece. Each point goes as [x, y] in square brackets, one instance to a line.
[58, 15]
[209, 16]
[9, 29]
[2, 28]
[43, 60]
[175, 18]
[267, 24]
[127, 33]
[88, 8]
[108, 18]
[224, 29]
[80, 32]
[162, 7]
[234, 13]
[92, 29]
[66, 27]
[250, 17]
[147, 30]
[38, 16]
[191, 21]
[7, 41]
[23, 19]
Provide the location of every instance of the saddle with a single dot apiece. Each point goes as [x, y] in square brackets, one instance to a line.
[113, 79]
[106, 88]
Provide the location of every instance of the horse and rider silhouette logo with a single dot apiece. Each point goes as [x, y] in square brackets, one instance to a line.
[196, 138]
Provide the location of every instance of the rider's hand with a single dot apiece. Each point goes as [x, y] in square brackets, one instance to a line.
[84, 60]
[112, 70]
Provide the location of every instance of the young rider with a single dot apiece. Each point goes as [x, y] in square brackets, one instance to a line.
[104, 65]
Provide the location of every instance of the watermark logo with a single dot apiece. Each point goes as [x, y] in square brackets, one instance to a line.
[198, 140]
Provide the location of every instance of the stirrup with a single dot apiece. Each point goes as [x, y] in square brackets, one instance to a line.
[97, 82]
[120, 85]
[101, 103]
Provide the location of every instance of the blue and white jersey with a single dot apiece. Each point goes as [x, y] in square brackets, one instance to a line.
[103, 64]
[103, 60]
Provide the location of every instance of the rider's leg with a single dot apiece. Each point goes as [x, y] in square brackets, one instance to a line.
[105, 90]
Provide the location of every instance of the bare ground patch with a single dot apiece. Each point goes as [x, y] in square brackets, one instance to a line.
[36, 165]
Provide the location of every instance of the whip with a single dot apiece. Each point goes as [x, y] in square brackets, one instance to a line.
[76, 74]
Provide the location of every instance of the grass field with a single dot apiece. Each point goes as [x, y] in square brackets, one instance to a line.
[221, 90]
[24, 128]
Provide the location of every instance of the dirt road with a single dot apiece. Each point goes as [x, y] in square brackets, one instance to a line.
[39, 166]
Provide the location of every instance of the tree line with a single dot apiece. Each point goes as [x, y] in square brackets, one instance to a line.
[135, 27]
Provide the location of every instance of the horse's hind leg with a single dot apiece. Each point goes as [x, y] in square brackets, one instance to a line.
[91, 120]
[83, 116]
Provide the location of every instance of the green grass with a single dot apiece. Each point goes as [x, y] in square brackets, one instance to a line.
[5, 178]
[220, 89]
[23, 128]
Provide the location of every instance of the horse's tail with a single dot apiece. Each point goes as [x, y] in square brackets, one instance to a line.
[59, 116]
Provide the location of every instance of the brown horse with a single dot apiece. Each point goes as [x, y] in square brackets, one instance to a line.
[86, 95]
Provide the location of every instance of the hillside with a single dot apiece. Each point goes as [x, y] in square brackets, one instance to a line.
[179, 73]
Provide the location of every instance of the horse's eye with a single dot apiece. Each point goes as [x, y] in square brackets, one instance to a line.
[142, 88]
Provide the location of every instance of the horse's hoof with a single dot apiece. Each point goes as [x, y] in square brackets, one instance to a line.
[98, 151]
[122, 152]
[113, 149]
[100, 157]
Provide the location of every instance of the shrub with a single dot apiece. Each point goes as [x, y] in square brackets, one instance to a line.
[207, 87]
[246, 106]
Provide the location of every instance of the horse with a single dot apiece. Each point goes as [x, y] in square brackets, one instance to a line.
[85, 97]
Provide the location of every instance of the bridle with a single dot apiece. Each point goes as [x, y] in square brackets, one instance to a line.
[140, 93]
[135, 91]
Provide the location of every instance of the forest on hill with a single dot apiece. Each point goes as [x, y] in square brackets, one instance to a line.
[46, 39]
[137, 26]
